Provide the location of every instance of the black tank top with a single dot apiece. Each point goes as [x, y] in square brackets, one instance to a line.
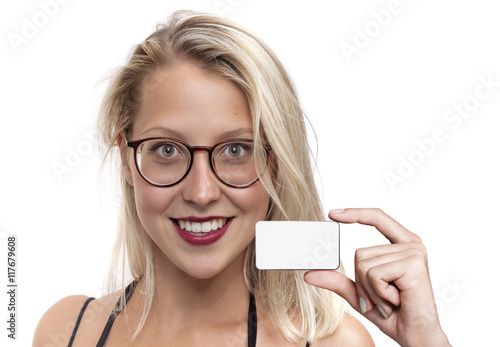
[252, 318]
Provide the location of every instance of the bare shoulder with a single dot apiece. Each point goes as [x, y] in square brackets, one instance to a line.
[350, 333]
[56, 326]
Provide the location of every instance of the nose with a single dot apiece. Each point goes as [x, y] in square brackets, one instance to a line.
[201, 186]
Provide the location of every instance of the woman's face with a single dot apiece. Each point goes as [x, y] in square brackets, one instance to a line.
[201, 109]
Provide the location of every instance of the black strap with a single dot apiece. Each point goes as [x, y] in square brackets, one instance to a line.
[252, 318]
[252, 322]
[79, 320]
[128, 293]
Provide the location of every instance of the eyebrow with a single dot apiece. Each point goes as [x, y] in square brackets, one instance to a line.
[163, 132]
[236, 133]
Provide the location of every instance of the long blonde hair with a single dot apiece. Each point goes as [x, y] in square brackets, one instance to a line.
[222, 47]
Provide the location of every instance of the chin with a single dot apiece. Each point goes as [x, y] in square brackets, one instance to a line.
[200, 265]
[204, 268]
[202, 272]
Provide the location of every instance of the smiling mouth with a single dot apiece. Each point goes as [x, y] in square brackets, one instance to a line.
[203, 228]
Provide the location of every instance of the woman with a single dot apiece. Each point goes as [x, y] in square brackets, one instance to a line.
[211, 140]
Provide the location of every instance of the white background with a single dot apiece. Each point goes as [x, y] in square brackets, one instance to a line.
[368, 110]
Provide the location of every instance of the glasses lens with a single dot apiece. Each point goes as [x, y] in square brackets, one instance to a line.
[162, 162]
[234, 163]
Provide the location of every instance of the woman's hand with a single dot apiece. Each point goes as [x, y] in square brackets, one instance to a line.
[392, 288]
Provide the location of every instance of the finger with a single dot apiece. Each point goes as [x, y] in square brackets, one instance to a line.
[365, 303]
[389, 227]
[336, 282]
[343, 286]
[382, 275]
[373, 297]
[368, 273]
[409, 274]
[377, 286]
[373, 251]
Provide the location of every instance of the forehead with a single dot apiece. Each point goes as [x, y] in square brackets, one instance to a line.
[192, 104]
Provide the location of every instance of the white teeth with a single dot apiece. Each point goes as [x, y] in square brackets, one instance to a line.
[196, 227]
[204, 227]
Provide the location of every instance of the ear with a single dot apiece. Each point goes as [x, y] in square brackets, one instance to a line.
[122, 144]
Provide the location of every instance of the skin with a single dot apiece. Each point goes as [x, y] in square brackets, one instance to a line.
[412, 318]
[201, 294]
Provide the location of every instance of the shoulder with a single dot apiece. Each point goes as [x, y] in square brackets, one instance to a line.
[57, 324]
[350, 333]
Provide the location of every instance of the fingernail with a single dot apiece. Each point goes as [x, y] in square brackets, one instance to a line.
[382, 311]
[362, 305]
[338, 210]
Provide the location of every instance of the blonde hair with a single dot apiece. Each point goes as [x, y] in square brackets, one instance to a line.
[224, 48]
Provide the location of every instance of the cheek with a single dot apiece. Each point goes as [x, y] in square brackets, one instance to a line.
[255, 202]
[151, 203]
[149, 199]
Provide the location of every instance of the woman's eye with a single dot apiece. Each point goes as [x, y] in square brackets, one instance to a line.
[167, 150]
[237, 150]
[234, 150]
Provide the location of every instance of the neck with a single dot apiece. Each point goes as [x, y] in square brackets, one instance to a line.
[219, 299]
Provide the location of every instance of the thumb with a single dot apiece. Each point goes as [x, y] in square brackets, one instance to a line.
[335, 282]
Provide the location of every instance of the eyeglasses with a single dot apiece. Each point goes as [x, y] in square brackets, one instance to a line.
[164, 162]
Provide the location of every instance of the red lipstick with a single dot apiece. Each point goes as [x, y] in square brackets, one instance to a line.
[201, 240]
